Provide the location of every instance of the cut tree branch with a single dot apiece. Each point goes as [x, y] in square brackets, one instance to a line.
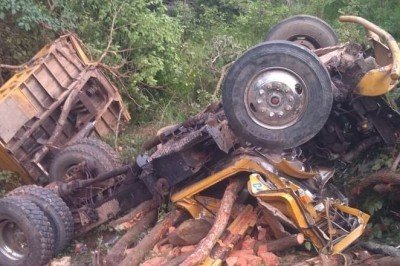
[135, 255]
[205, 246]
[116, 254]
[221, 78]
[13, 67]
[136, 214]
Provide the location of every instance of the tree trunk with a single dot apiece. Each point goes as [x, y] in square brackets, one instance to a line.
[205, 246]
[381, 249]
[284, 242]
[135, 255]
[136, 214]
[116, 254]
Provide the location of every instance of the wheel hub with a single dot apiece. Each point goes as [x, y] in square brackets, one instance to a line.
[13, 243]
[275, 98]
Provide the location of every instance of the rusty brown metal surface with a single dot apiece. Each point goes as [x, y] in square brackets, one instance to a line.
[50, 102]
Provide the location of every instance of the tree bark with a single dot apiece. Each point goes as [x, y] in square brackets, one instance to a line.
[206, 244]
[137, 213]
[284, 242]
[385, 177]
[135, 255]
[328, 260]
[116, 254]
[177, 260]
[381, 249]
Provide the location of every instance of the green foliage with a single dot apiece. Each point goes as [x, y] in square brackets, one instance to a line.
[169, 54]
[8, 181]
[372, 203]
[384, 160]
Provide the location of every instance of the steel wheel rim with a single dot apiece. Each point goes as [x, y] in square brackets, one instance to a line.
[276, 98]
[13, 243]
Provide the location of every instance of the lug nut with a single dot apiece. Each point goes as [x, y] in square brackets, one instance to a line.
[271, 114]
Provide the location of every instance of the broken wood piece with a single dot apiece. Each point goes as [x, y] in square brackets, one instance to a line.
[96, 258]
[283, 243]
[178, 260]
[236, 230]
[205, 246]
[276, 226]
[380, 248]
[136, 214]
[116, 254]
[190, 232]
[331, 260]
[135, 255]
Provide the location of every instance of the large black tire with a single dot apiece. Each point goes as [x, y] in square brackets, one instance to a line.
[55, 209]
[77, 153]
[22, 221]
[308, 31]
[285, 57]
[106, 149]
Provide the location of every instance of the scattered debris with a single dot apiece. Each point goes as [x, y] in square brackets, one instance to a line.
[64, 261]
[249, 177]
[117, 252]
[135, 255]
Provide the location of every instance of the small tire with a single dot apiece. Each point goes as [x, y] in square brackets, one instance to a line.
[252, 73]
[22, 223]
[77, 153]
[55, 209]
[309, 31]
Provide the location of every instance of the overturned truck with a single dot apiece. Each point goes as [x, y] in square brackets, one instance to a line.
[291, 106]
[58, 98]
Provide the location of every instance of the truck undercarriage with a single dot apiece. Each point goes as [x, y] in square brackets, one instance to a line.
[287, 115]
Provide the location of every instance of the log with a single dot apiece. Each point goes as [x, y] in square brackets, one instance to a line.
[178, 260]
[387, 261]
[206, 244]
[136, 214]
[135, 255]
[384, 188]
[184, 235]
[284, 243]
[384, 176]
[276, 227]
[381, 249]
[236, 231]
[116, 254]
[328, 260]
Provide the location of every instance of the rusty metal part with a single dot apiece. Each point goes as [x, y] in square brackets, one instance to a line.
[378, 81]
[104, 212]
[196, 121]
[66, 188]
[222, 135]
[394, 48]
[59, 82]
